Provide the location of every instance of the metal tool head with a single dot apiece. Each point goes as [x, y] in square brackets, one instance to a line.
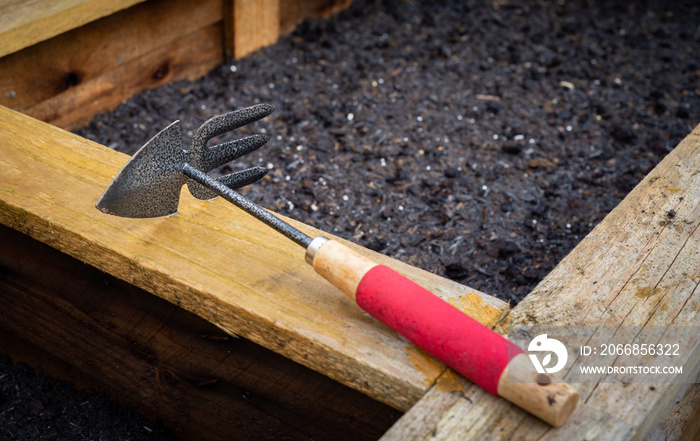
[208, 158]
[149, 185]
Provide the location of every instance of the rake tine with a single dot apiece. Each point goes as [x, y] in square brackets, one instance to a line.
[224, 153]
[221, 124]
[242, 178]
[208, 158]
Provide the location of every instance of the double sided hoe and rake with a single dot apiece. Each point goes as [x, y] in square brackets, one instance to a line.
[149, 185]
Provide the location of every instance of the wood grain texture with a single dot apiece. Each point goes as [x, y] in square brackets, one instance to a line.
[91, 64]
[253, 24]
[639, 266]
[551, 401]
[216, 262]
[80, 324]
[68, 79]
[189, 57]
[24, 23]
[455, 409]
[341, 266]
[682, 418]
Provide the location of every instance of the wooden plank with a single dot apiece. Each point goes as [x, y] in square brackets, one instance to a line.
[682, 419]
[251, 25]
[24, 23]
[189, 57]
[455, 409]
[216, 262]
[640, 266]
[70, 78]
[164, 361]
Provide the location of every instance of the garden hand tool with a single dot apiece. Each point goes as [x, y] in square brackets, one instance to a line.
[149, 185]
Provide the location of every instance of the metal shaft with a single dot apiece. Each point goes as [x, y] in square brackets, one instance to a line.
[247, 206]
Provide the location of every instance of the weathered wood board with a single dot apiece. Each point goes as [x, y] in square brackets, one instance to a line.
[68, 79]
[681, 421]
[215, 261]
[250, 25]
[75, 322]
[639, 266]
[24, 23]
[92, 64]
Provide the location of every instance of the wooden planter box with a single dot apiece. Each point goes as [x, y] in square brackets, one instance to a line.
[65, 61]
[222, 343]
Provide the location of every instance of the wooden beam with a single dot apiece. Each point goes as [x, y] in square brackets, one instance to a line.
[24, 23]
[89, 69]
[639, 266]
[682, 418]
[250, 25]
[71, 77]
[217, 262]
[75, 322]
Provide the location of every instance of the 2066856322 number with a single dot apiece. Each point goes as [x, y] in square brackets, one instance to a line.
[640, 349]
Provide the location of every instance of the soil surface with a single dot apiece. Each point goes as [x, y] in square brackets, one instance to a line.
[36, 407]
[477, 140]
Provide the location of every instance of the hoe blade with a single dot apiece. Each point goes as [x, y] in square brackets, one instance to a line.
[149, 184]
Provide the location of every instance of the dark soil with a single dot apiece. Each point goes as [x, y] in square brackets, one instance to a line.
[477, 140]
[34, 406]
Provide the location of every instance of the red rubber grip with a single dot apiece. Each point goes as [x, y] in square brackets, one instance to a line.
[467, 346]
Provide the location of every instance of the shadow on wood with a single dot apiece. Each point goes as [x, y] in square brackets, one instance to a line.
[80, 324]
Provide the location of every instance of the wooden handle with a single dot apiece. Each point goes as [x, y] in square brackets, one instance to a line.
[464, 344]
[338, 264]
[539, 394]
